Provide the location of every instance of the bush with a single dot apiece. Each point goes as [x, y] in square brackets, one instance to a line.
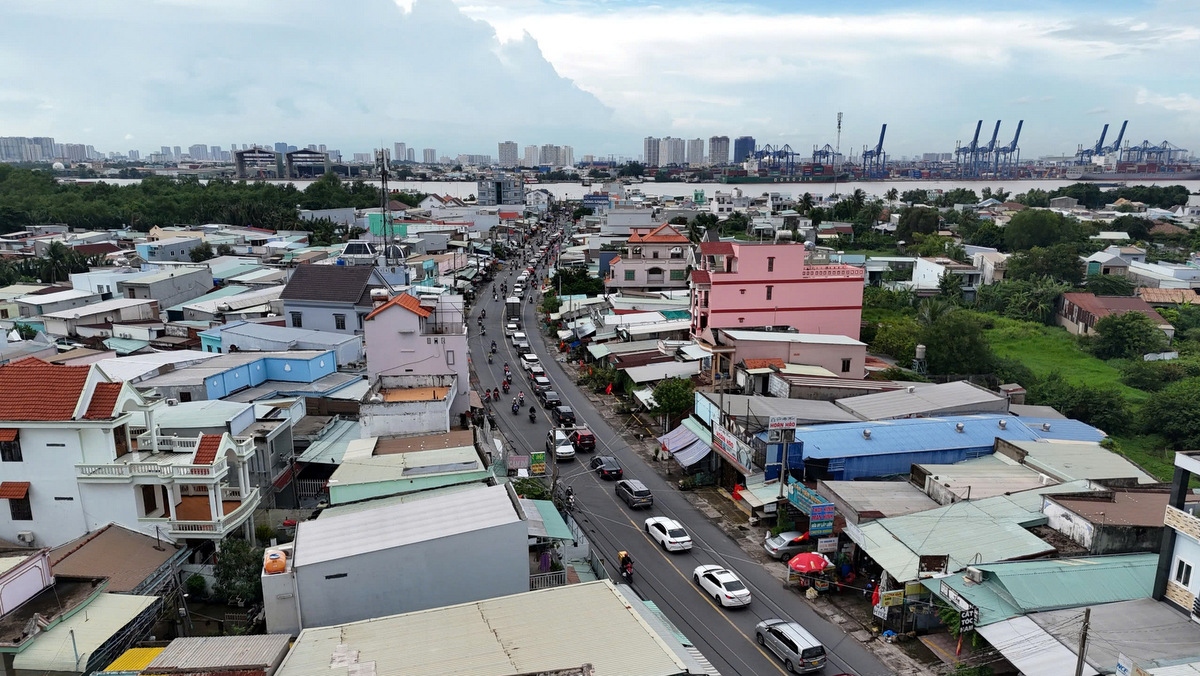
[897, 339]
[196, 586]
[1175, 413]
[1105, 409]
[263, 532]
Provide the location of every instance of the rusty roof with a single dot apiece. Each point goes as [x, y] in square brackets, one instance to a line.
[701, 277]
[1168, 296]
[752, 364]
[127, 558]
[1102, 306]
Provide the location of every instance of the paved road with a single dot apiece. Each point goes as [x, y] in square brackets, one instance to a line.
[725, 637]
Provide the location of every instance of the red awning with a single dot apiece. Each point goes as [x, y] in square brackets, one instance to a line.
[8, 434]
[14, 490]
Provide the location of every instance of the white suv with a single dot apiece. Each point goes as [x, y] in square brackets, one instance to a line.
[557, 441]
[529, 360]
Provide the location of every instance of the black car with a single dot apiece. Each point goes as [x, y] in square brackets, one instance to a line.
[550, 398]
[564, 416]
[606, 467]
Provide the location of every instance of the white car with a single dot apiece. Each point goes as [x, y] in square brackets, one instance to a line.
[510, 329]
[668, 533]
[518, 336]
[529, 360]
[722, 585]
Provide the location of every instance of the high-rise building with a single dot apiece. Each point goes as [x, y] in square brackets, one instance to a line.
[718, 150]
[312, 147]
[24, 149]
[198, 151]
[134, 155]
[507, 153]
[363, 158]
[695, 152]
[321, 149]
[165, 151]
[177, 152]
[74, 152]
[650, 148]
[531, 157]
[429, 155]
[672, 151]
[281, 147]
[548, 155]
[292, 149]
[566, 156]
[214, 153]
[401, 151]
[411, 155]
[504, 189]
[743, 147]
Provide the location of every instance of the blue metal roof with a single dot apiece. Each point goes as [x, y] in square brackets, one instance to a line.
[1063, 430]
[909, 435]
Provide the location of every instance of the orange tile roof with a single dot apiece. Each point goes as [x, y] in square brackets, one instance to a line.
[8, 434]
[405, 300]
[37, 390]
[663, 234]
[14, 490]
[751, 364]
[104, 400]
[206, 450]
[701, 277]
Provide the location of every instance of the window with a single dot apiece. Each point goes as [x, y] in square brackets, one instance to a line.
[654, 254]
[19, 510]
[678, 275]
[770, 264]
[1183, 572]
[629, 275]
[184, 395]
[339, 322]
[10, 451]
[845, 366]
[297, 320]
[770, 291]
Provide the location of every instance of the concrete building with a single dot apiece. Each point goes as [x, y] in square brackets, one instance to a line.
[652, 260]
[1119, 520]
[1176, 581]
[1079, 312]
[242, 336]
[928, 273]
[839, 356]
[170, 249]
[100, 317]
[743, 147]
[169, 287]
[408, 336]
[332, 297]
[695, 152]
[103, 281]
[530, 157]
[507, 154]
[80, 452]
[650, 151]
[400, 558]
[718, 150]
[310, 371]
[504, 190]
[35, 305]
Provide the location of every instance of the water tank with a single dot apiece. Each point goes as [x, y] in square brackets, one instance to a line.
[920, 352]
[274, 561]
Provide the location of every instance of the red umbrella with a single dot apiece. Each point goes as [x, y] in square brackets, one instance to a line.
[809, 562]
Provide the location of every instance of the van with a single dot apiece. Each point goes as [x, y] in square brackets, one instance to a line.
[800, 651]
[634, 493]
[558, 443]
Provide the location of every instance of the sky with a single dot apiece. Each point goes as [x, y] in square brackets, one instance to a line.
[599, 75]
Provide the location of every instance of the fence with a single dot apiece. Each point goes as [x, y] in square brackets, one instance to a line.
[310, 488]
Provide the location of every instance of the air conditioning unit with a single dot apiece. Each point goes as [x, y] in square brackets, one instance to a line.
[974, 575]
[172, 402]
[26, 536]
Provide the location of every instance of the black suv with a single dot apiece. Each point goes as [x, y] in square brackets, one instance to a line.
[606, 467]
[550, 398]
[564, 416]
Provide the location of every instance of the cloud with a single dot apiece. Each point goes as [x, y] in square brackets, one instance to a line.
[1180, 102]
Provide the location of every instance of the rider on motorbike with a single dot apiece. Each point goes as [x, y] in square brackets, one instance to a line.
[626, 564]
[521, 397]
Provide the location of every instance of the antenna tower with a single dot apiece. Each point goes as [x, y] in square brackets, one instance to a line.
[388, 234]
[837, 154]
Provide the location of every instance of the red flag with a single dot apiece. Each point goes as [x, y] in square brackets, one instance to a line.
[608, 390]
[875, 596]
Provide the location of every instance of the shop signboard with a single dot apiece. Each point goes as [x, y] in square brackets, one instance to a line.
[781, 422]
[537, 463]
[827, 545]
[733, 449]
[891, 598]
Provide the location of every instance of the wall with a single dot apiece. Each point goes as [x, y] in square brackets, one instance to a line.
[29, 306]
[859, 467]
[395, 346]
[418, 576]
[320, 316]
[51, 470]
[826, 356]
[23, 582]
[417, 417]
[1070, 524]
[1188, 550]
[280, 605]
[185, 285]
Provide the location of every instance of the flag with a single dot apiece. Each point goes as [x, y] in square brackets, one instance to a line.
[608, 390]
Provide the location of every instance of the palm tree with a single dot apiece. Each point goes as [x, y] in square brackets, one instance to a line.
[56, 264]
[932, 309]
[892, 194]
[858, 198]
[806, 203]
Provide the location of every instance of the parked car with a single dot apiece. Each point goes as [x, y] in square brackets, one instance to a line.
[800, 651]
[634, 493]
[583, 439]
[563, 416]
[668, 533]
[540, 383]
[536, 371]
[528, 360]
[551, 399]
[786, 545]
[721, 584]
[606, 467]
[522, 347]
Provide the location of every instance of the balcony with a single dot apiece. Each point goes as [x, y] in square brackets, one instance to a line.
[193, 515]
[243, 446]
[145, 467]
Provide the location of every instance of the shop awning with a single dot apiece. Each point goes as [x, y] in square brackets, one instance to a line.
[14, 490]
[8, 434]
[1030, 648]
[677, 439]
[692, 453]
[544, 521]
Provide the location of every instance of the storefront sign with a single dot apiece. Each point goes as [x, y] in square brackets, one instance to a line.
[880, 612]
[968, 614]
[736, 451]
[781, 422]
[820, 513]
[537, 463]
[913, 589]
[827, 545]
[891, 598]
[967, 620]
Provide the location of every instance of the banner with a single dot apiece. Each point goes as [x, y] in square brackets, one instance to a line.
[736, 451]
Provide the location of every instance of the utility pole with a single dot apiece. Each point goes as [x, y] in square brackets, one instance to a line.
[1083, 637]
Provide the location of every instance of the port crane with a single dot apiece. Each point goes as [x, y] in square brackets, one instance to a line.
[1006, 158]
[873, 160]
[965, 155]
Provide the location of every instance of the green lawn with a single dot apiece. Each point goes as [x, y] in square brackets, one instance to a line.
[1045, 349]
[1150, 452]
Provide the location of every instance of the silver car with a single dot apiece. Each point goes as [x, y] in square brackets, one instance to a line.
[800, 651]
[786, 545]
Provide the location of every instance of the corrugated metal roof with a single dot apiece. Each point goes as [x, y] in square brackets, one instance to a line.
[503, 636]
[219, 653]
[134, 659]
[330, 448]
[417, 468]
[881, 498]
[1022, 587]
[1072, 461]
[1144, 629]
[845, 440]
[1031, 649]
[1063, 429]
[351, 508]
[543, 517]
[789, 337]
[329, 538]
[85, 631]
[923, 401]
[983, 477]
[760, 409]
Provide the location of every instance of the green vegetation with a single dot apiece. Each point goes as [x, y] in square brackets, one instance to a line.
[237, 570]
[672, 398]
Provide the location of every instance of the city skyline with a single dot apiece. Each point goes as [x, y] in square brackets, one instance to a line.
[921, 68]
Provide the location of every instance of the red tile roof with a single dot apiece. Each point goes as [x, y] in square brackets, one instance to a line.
[663, 234]
[1103, 306]
[206, 450]
[405, 300]
[751, 364]
[36, 390]
[14, 490]
[716, 248]
[510, 215]
[101, 249]
[8, 434]
[701, 277]
[104, 400]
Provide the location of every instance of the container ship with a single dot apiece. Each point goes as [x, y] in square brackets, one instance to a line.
[1129, 171]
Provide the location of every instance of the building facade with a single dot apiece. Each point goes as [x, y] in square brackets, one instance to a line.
[718, 150]
[743, 147]
[695, 152]
[410, 337]
[650, 147]
[652, 260]
[501, 190]
[1177, 581]
[507, 153]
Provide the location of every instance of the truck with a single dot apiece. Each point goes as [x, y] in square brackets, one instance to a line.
[512, 309]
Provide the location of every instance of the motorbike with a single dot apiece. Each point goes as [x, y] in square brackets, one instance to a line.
[508, 378]
[489, 357]
[532, 414]
[626, 567]
[483, 330]
[487, 396]
[483, 314]
[506, 386]
[493, 347]
[516, 408]
[521, 398]
[570, 498]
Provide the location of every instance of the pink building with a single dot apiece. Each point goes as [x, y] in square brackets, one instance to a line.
[408, 336]
[654, 259]
[742, 285]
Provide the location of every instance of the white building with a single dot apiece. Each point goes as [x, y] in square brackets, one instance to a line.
[718, 150]
[1178, 581]
[650, 151]
[530, 158]
[507, 153]
[695, 152]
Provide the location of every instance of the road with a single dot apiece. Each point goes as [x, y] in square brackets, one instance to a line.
[724, 637]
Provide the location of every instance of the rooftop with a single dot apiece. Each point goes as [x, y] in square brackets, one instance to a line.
[759, 409]
[1071, 461]
[877, 499]
[220, 653]
[909, 435]
[1102, 306]
[36, 390]
[405, 300]
[82, 634]
[56, 297]
[503, 636]
[332, 538]
[127, 558]
[789, 337]
[1118, 507]
[98, 308]
[330, 284]
[958, 395]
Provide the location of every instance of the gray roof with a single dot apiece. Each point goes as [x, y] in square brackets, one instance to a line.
[789, 337]
[1144, 630]
[959, 396]
[983, 477]
[806, 411]
[504, 636]
[328, 539]
[215, 653]
[878, 499]
[329, 283]
[1035, 411]
[1067, 461]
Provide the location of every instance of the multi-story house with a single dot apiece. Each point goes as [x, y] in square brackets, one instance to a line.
[332, 297]
[742, 285]
[652, 260]
[78, 451]
[1177, 581]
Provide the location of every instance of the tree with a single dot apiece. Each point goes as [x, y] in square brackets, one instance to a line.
[958, 196]
[955, 345]
[577, 281]
[736, 222]
[1103, 408]
[632, 169]
[237, 571]
[1110, 285]
[897, 339]
[25, 331]
[1039, 227]
[914, 196]
[1174, 412]
[917, 220]
[56, 265]
[806, 203]
[673, 397]
[1060, 262]
[201, 252]
[224, 250]
[1135, 226]
[580, 212]
[986, 234]
[1128, 335]
[891, 194]
[679, 220]
[1034, 198]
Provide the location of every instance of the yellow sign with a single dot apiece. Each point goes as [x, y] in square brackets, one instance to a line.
[891, 598]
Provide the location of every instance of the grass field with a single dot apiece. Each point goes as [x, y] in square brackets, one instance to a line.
[1045, 349]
